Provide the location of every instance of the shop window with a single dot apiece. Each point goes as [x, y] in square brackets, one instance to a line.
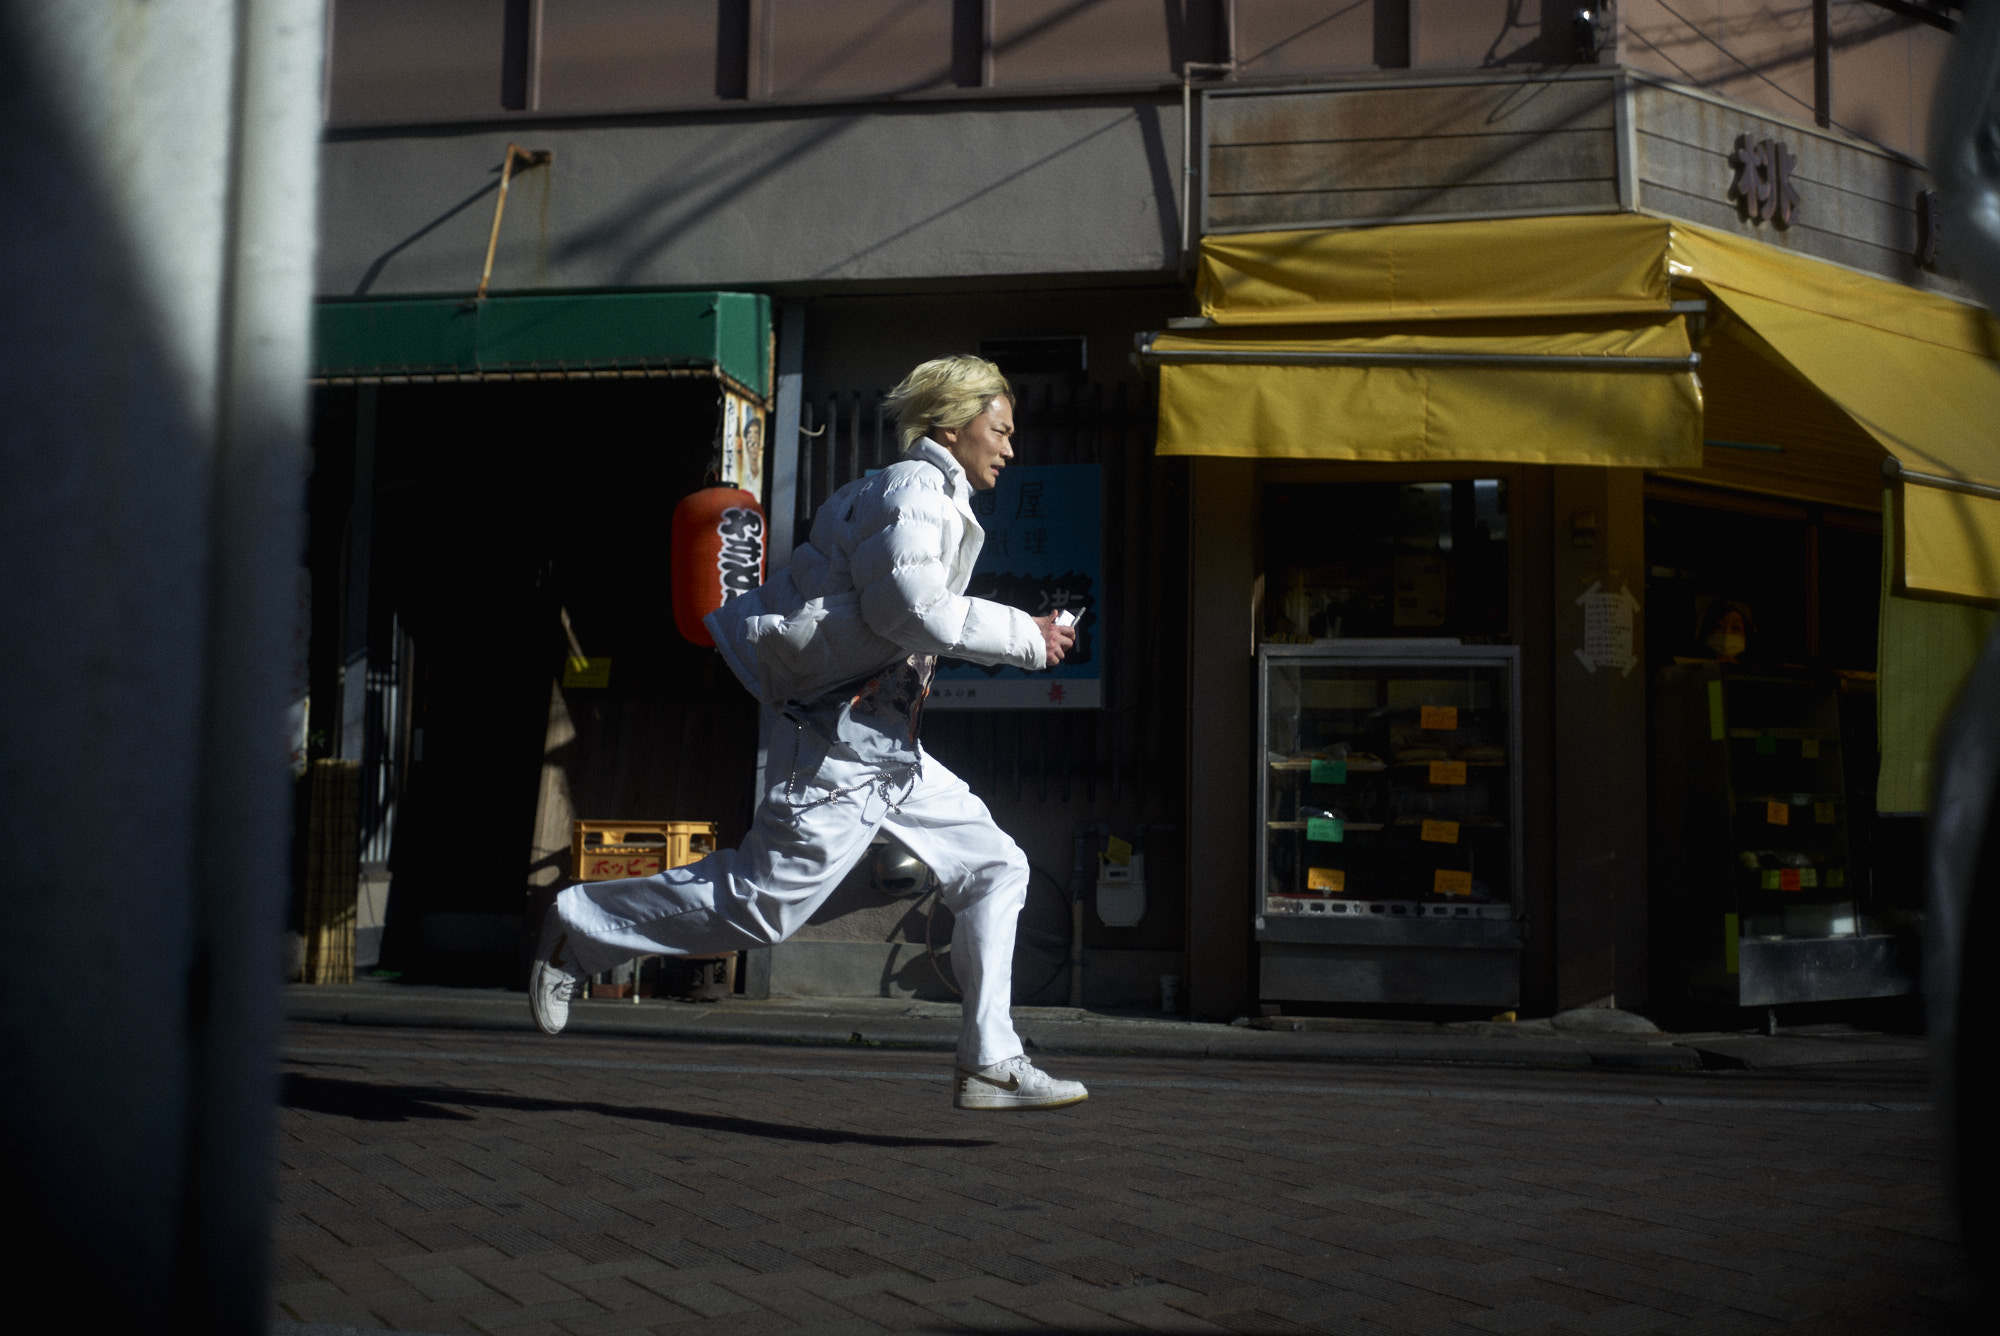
[1850, 594]
[1803, 581]
[1371, 560]
[1705, 565]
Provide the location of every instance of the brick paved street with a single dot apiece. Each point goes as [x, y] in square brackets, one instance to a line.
[447, 1181]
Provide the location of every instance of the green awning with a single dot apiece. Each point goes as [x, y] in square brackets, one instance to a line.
[725, 334]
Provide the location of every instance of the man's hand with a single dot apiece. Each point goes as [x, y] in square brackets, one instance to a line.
[1055, 639]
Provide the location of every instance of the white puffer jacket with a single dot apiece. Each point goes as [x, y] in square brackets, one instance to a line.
[882, 577]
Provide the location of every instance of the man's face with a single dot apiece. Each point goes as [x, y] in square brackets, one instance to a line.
[984, 445]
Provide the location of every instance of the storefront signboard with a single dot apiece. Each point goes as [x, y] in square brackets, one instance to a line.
[742, 446]
[1763, 181]
[1043, 553]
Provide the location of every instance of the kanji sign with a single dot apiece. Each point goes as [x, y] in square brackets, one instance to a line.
[1763, 182]
[1042, 554]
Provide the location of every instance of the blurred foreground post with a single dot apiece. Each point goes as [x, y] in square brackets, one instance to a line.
[1964, 855]
[157, 229]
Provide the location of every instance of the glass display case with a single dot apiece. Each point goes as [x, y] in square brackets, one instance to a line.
[1759, 884]
[1389, 859]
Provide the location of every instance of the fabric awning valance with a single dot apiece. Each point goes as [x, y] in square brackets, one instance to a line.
[1533, 392]
[1509, 313]
[1605, 264]
[724, 334]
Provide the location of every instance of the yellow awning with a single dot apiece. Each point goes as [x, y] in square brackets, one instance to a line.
[1767, 429]
[1915, 371]
[1526, 392]
[1951, 543]
[1603, 265]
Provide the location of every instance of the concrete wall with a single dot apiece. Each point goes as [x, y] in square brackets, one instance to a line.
[1597, 744]
[1222, 795]
[764, 199]
[463, 60]
[867, 341]
[1885, 66]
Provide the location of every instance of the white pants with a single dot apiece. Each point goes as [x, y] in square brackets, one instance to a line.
[822, 807]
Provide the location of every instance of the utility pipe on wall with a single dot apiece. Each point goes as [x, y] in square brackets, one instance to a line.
[1225, 66]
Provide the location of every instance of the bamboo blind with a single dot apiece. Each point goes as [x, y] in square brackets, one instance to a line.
[333, 870]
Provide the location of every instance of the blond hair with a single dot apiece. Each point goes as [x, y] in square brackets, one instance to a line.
[945, 392]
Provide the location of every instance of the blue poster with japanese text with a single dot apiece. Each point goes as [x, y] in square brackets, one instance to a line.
[1043, 553]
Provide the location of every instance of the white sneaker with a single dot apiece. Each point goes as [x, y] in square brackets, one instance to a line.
[1014, 1084]
[550, 984]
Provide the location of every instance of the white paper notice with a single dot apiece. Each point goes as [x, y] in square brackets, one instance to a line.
[1607, 629]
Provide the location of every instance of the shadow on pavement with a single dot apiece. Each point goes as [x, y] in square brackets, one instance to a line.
[395, 1104]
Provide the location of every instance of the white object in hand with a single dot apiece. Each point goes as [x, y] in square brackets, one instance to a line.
[1067, 618]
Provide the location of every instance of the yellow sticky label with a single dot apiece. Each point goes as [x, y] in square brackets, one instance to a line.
[1823, 814]
[1451, 881]
[1447, 772]
[1117, 851]
[1440, 832]
[1777, 813]
[1809, 748]
[1332, 879]
[1438, 716]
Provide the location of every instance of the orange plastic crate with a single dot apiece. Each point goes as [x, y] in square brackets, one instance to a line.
[607, 850]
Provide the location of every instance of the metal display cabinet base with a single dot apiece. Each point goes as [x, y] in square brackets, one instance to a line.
[1391, 975]
[1823, 969]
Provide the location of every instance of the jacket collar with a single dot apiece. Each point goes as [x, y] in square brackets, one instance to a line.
[931, 452]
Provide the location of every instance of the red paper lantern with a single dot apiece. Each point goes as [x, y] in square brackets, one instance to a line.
[718, 553]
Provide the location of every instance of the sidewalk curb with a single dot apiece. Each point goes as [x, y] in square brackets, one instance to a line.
[507, 1013]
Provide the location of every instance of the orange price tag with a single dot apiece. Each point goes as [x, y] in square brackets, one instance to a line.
[1777, 813]
[1447, 772]
[1437, 716]
[1451, 881]
[1440, 832]
[1332, 879]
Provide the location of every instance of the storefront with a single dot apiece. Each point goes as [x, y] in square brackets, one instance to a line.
[1484, 486]
[494, 651]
